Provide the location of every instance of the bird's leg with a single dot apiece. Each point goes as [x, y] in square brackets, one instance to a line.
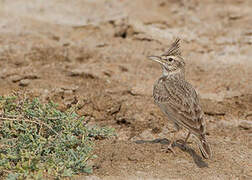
[169, 146]
[187, 137]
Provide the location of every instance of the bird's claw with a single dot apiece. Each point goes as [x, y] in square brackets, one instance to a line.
[168, 148]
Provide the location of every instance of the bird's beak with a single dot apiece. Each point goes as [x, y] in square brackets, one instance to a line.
[156, 58]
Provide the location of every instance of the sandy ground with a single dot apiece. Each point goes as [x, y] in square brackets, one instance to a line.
[93, 52]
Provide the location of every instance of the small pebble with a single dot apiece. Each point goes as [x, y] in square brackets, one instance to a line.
[68, 92]
[16, 78]
[246, 125]
[24, 82]
[76, 72]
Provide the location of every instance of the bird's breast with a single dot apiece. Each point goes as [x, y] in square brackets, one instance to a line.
[159, 91]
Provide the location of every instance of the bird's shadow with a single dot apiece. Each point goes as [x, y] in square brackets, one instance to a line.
[197, 159]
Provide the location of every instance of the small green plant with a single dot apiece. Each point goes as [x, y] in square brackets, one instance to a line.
[38, 141]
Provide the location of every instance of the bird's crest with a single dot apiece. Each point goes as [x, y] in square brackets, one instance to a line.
[174, 49]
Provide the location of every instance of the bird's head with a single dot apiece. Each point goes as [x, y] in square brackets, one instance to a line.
[171, 61]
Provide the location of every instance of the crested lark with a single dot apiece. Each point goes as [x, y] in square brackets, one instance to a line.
[177, 98]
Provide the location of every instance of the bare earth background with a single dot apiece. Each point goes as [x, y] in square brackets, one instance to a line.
[93, 52]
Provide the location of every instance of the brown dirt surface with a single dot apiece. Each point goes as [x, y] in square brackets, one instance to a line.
[94, 53]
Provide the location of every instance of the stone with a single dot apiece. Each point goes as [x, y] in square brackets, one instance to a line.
[24, 82]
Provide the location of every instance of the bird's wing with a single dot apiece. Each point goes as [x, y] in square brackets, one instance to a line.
[179, 101]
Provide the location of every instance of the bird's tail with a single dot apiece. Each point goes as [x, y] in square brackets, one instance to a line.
[204, 147]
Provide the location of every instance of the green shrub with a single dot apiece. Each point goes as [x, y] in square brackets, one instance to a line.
[37, 140]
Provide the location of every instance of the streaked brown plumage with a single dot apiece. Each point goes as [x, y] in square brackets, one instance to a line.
[177, 98]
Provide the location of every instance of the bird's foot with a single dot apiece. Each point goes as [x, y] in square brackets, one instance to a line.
[168, 148]
[183, 144]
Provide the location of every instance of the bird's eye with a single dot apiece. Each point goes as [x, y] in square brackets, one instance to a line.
[170, 59]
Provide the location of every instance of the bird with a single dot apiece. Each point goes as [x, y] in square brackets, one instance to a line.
[178, 99]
